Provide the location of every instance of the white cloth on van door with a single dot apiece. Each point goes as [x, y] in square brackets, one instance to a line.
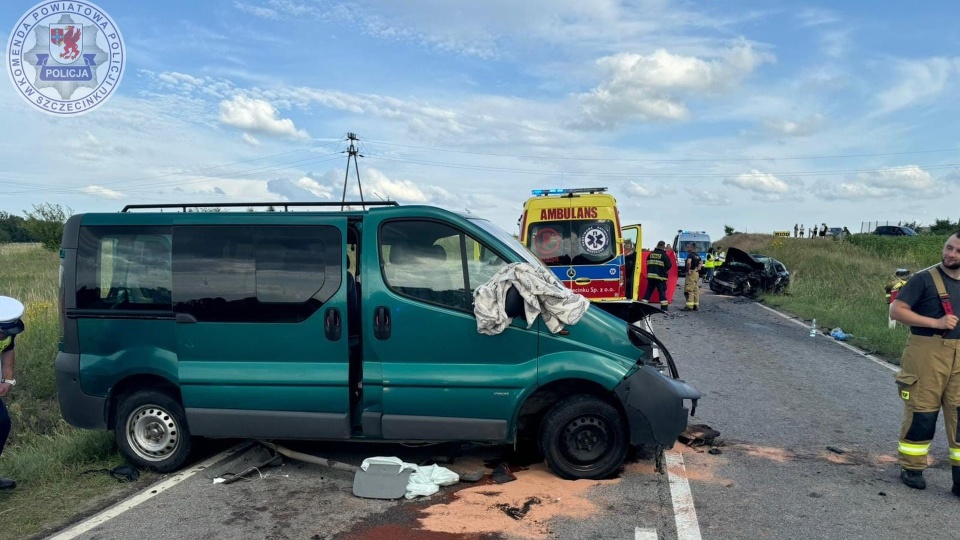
[543, 294]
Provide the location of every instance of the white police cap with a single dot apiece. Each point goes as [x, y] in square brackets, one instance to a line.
[10, 312]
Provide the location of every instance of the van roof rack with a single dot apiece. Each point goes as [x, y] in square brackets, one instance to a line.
[285, 205]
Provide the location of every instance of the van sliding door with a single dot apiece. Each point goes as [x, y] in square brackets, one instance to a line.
[260, 324]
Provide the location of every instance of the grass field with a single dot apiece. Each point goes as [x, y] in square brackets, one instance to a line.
[44, 455]
[840, 282]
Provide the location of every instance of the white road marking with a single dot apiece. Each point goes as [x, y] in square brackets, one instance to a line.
[644, 534]
[861, 352]
[145, 495]
[688, 528]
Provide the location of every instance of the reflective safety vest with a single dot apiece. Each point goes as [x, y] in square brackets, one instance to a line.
[711, 262]
[5, 342]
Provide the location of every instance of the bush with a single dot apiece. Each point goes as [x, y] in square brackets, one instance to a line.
[45, 224]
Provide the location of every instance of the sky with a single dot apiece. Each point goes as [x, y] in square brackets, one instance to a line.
[694, 115]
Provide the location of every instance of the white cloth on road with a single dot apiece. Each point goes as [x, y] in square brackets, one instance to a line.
[424, 481]
[543, 294]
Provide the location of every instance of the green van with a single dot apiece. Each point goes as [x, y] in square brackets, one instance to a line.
[336, 325]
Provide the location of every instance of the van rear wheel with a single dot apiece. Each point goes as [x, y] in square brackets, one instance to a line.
[583, 437]
[151, 431]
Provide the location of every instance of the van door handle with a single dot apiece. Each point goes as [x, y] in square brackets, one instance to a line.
[381, 322]
[332, 326]
[185, 318]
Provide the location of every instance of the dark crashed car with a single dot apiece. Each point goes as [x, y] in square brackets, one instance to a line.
[749, 274]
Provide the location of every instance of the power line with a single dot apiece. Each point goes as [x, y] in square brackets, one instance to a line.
[649, 174]
[683, 160]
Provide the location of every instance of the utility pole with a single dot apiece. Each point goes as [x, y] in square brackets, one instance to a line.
[352, 152]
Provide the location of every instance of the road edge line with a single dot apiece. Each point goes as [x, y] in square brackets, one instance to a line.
[861, 352]
[684, 513]
[145, 495]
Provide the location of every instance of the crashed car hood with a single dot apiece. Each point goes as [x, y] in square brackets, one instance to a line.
[735, 255]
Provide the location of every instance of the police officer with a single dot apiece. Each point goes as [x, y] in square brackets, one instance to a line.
[929, 376]
[658, 269]
[10, 325]
[691, 285]
[710, 264]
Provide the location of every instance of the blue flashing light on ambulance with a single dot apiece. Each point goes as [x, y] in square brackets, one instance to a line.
[700, 241]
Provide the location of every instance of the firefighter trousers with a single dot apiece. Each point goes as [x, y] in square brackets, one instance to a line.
[929, 380]
[658, 285]
[691, 289]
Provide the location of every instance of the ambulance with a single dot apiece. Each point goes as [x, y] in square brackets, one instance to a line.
[699, 239]
[576, 232]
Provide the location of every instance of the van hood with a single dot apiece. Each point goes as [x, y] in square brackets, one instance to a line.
[735, 255]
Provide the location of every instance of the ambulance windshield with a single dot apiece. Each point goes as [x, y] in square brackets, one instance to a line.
[573, 242]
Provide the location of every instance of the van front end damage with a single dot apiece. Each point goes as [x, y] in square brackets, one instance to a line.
[654, 404]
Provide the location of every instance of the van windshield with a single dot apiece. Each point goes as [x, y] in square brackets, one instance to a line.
[561, 243]
[509, 240]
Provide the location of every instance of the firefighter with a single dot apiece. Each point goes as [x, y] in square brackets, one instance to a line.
[893, 286]
[929, 376]
[658, 268]
[691, 285]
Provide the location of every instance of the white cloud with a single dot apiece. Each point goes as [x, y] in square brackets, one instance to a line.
[920, 81]
[700, 196]
[314, 187]
[811, 16]
[796, 128]
[257, 115]
[651, 87]
[909, 180]
[759, 182]
[249, 139]
[636, 189]
[100, 191]
[258, 11]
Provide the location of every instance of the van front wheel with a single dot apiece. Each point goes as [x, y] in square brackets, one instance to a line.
[151, 431]
[583, 437]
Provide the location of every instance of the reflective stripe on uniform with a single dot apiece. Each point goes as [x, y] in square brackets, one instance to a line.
[913, 449]
[955, 454]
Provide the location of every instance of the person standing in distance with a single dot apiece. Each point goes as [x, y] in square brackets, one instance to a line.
[929, 376]
[691, 285]
[10, 325]
[658, 269]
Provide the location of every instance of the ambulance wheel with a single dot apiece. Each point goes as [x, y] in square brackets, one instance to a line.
[151, 431]
[583, 437]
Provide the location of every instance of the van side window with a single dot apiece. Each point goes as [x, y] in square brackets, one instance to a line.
[255, 274]
[428, 261]
[124, 268]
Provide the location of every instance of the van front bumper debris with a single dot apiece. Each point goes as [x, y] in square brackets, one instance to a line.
[654, 406]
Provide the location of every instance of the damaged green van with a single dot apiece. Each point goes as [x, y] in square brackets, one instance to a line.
[335, 325]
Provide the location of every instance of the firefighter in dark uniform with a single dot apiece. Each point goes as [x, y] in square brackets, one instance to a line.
[691, 285]
[658, 268]
[929, 376]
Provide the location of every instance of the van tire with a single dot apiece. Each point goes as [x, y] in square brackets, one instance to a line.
[151, 431]
[584, 437]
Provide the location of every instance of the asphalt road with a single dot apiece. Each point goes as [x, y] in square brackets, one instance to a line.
[809, 433]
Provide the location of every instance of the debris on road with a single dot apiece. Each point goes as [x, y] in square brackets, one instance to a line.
[392, 478]
[836, 450]
[699, 435]
[840, 335]
[502, 474]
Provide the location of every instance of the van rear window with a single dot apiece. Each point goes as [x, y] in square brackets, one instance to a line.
[126, 268]
[255, 274]
[215, 273]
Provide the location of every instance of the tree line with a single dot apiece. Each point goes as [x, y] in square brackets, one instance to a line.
[43, 224]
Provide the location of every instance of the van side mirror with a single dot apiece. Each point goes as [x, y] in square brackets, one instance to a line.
[513, 303]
